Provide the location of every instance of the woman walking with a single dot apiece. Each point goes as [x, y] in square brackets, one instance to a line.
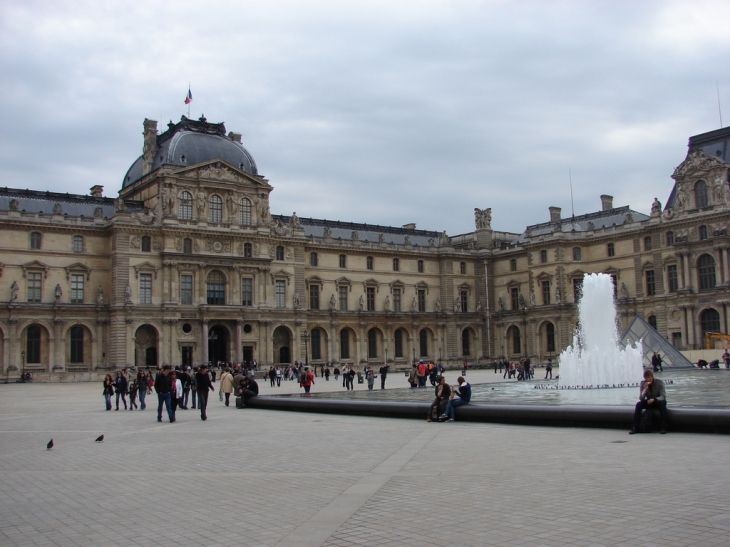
[226, 384]
[142, 386]
[108, 391]
[120, 385]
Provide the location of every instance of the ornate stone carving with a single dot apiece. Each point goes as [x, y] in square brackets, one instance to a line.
[656, 208]
[134, 242]
[219, 172]
[157, 244]
[98, 212]
[355, 236]
[483, 218]
[232, 204]
[128, 294]
[294, 221]
[100, 296]
[178, 244]
[14, 204]
[57, 209]
[200, 203]
[14, 290]
[58, 292]
[327, 232]
[147, 217]
[280, 229]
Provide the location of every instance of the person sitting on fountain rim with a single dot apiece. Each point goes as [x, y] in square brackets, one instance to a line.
[464, 393]
[652, 395]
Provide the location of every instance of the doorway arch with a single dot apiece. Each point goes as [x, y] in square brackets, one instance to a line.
[218, 343]
[145, 347]
[282, 345]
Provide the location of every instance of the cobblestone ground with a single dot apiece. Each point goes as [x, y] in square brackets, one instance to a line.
[255, 477]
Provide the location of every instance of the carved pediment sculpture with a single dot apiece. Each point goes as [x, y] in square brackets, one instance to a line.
[219, 172]
[483, 218]
[696, 162]
[281, 229]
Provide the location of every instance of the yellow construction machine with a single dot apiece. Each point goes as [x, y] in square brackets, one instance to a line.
[709, 336]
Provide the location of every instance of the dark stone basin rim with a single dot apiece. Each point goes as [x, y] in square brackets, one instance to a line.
[691, 420]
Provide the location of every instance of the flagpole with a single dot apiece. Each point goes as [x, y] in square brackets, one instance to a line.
[190, 101]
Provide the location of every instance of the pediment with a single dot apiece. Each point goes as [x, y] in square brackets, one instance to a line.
[647, 265]
[343, 281]
[396, 284]
[576, 273]
[313, 280]
[36, 265]
[543, 276]
[280, 274]
[611, 270]
[219, 170]
[371, 283]
[698, 163]
[78, 267]
[145, 266]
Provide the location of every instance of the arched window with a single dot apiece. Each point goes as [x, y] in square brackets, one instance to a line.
[33, 344]
[703, 232]
[701, 194]
[315, 344]
[550, 337]
[247, 250]
[344, 344]
[185, 206]
[77, 345]
[245, 212]
[465, 346]
[146, 244]
[216, 288]
[216, 209]
[187, 246]
[709, 321]
[279, 252]
[423, 342]
[706, 272]
[399, 343]
[35, 240]
[516, 342]
[372, 344]
[313, 261]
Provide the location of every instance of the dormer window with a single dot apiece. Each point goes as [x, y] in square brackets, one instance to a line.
[182, 158]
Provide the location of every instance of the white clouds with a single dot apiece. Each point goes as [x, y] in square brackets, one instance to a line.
[371, 111]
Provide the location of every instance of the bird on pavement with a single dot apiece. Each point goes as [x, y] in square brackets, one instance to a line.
[50, 444]
[100, 439]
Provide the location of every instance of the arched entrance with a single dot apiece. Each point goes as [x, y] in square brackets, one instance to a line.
[218, 338]
[145, 347]
[282, 345]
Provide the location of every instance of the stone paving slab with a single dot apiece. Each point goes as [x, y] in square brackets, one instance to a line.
[261, 478]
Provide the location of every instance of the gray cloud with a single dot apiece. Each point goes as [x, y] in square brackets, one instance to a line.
[371, 112]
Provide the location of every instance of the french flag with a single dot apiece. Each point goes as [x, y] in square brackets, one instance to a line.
[189, 97]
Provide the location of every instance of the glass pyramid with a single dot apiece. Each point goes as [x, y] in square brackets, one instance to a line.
[653, 341]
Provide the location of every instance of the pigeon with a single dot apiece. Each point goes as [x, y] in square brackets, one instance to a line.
[100, 439]
[50, 444]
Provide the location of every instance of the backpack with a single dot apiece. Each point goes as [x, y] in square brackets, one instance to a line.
[303, 378]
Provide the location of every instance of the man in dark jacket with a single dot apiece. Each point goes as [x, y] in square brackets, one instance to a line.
[203, 385]
[383, 373]
[163, 387]
[250, 390]
[652, 395]
[464, 393]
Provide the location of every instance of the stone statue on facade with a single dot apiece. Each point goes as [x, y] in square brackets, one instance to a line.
[14, 290]
[294, 220]
[656, 208]
[387, 303]
[361, 303]
[532, 298]
[381, 238]
[624, 291]
[413, 304]
[100, 296]
[296, 299]
[557, 295]
[355, 236]
[479, 307]
[483, 218]
[457, 305]
[500, 303]
[232, 206]
[333, 302]
[58, 292]
[438, 305]
[327, 232]
[200, 203]
[14, 205]
[128, 294]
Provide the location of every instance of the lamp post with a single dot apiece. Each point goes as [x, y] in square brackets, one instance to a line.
[22, 366]
[305, 338]
[414, 355]
[386, 356]
[439, 354]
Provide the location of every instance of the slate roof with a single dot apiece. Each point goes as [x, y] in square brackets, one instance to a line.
[600, 219]
[74, 205]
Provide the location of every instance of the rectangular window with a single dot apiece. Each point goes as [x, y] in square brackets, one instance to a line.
[677, 340]
[515, 296]
[545, 292]
[576, 253]
[313, 259]
[314, 297]
[464, 296]
[247, 250]
[78, 244]
[145, 288]
[280, 290]
[611, 251]
[577, 289]
[370, 293]
[279, 252]
[343, 261]
[344, 344]
[462, 268]
[35, 240]
[146, 244]
[421, 300]
[513, 265]
[34, 287]
[396, 300]
[420, 266]
[543, 256]
[343, 297]
[246, 291]
[650, 284]
[396, 265]
[77, 289]
[672, 278]
[186, 290]
[369, 262]
[647, 243]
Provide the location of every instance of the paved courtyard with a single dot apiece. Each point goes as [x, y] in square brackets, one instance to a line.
[255, 477]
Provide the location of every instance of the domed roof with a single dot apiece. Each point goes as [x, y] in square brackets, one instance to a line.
[191, 142]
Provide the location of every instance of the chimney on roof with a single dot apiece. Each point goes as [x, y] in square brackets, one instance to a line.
[554, 214]
[411, 226]
[235, 137]
[150, 145]
[97, 191]
[606, 202]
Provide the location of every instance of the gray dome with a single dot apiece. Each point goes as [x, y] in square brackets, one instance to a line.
[192, 142]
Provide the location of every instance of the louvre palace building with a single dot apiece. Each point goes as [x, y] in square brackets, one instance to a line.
[188, 265]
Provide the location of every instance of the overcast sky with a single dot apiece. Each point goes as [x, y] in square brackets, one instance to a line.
[379, 112]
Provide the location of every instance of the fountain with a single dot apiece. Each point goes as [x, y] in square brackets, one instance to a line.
[596, 360]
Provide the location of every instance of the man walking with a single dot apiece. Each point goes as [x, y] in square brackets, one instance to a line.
[383, 373]
[163, 387]
[203, 385]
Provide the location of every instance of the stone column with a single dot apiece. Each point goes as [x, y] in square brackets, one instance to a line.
[204, 339]
[333, 354]
[56, 347]
[721, 274]
[202, 296]
[239, 341]
[362, 345]
[12, 348]
[682, 272]
[727, 266]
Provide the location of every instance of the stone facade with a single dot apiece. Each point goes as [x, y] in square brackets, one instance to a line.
[188, 265]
